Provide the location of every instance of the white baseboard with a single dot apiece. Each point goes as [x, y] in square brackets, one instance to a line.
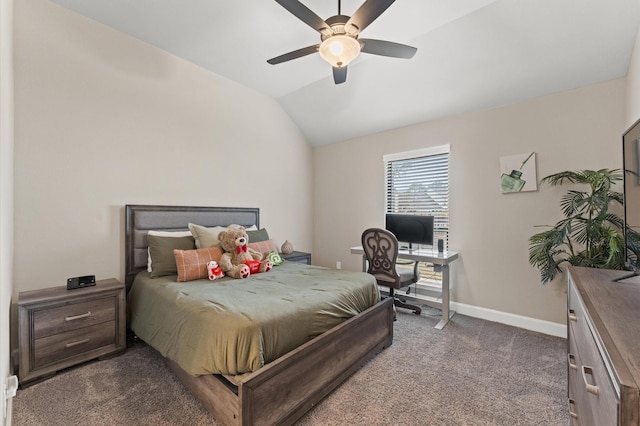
[528, 323]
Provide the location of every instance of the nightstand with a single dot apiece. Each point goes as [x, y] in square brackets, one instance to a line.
[297, 256]
[58, 328]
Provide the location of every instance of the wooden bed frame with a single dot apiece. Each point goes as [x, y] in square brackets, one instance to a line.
[284, 390]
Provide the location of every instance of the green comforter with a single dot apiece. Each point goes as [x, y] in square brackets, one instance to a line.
[235, 326]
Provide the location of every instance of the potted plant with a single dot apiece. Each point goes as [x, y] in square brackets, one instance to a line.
[590, 234]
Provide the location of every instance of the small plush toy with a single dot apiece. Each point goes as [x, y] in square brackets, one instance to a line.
[214, 270]
[234, 243]
[275, 258]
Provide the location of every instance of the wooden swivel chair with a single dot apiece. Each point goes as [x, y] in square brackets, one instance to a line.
[381, 250]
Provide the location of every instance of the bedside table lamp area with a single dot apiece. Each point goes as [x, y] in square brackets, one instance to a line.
[59, 328]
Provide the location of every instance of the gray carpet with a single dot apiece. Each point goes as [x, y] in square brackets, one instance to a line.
[473, 372]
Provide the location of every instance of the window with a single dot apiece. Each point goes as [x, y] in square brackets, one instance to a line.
[417, 182]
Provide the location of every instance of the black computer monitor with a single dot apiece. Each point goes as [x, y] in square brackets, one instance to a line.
[412, 229]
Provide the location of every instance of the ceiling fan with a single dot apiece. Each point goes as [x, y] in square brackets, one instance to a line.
[339, 35]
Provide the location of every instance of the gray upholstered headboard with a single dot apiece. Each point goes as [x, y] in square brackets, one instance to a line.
[139, 219]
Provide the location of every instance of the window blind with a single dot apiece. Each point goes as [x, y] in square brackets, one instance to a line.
[417, 182]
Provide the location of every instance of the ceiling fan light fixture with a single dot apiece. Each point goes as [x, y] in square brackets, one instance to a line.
[339, 36]
[351, 29]
[339, 50]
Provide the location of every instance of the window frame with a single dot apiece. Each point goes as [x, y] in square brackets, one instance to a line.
[440, 232]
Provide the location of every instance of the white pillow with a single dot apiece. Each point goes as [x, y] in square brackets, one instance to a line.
[208, 237]
[164, 234]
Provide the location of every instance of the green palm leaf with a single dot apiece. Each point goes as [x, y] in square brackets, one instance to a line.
[589, 234]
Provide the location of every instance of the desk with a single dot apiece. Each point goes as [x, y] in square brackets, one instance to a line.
[430, 256]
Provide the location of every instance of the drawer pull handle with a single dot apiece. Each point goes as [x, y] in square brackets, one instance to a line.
[590, 388]
[572, 315]
[79, 342]
[572, 361]
[75, 317]
[572, 413]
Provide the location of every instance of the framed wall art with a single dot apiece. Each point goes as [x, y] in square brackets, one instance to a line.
[518, 173]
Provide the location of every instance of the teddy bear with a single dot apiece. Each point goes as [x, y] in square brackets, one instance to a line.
[238, 258]
[214, 270]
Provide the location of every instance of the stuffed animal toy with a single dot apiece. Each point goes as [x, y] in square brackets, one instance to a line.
[275, 258]
[238, 258]
[214, 270]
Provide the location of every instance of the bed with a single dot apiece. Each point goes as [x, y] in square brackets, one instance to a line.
[287, 386]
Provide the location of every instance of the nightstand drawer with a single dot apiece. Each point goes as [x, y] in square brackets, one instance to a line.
[49, 321]
[58, 328]
[55, 348]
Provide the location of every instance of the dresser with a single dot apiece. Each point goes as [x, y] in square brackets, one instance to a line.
[603, 359]
[58, 328]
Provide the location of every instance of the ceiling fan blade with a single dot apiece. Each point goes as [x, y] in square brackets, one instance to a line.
[294, 55]
[305, 14]
[387, 48]
[339, 75]
[368, 12]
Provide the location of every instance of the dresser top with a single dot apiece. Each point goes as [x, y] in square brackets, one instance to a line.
[614, 308]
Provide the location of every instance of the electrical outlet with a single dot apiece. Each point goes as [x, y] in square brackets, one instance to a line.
[338, 265]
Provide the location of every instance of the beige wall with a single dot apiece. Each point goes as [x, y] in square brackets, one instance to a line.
[573, 130]
[104, 120]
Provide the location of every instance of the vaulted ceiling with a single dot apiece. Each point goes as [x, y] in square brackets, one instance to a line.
[472, 54]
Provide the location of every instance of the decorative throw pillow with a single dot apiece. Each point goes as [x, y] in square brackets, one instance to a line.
[263, 247]
[164, 234]
[205, 237]
[163, 262]
[208, 237]
[258, 235]
[192, 264]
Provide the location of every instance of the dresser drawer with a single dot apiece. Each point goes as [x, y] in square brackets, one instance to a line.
[595, 381]
[579, 408]
[57, 347]
[577, 319]
[54, 320]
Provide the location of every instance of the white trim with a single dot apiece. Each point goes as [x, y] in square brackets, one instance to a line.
[6, 202]
[528, 323]
[425, 152]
